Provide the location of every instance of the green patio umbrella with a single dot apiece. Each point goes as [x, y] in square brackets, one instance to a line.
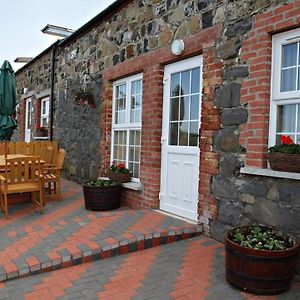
[7, 101]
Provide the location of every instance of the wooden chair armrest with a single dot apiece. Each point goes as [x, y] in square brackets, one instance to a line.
[2, 178]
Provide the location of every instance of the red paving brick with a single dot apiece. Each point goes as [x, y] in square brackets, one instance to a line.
[68, 234]
[130, 276]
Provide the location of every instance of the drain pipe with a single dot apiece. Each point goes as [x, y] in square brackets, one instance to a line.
[53, 53]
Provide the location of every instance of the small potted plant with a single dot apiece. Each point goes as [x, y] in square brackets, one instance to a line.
[260, 260]
[101, 194]
[286, 156]
[119, 172]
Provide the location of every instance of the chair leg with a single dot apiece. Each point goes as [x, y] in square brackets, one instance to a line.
[33, 198]
[42, 200]
[5, 206]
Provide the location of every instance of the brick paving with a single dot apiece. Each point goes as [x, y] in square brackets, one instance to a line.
[189, 269]
[67, 234]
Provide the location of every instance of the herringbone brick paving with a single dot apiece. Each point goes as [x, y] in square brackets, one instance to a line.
[189, 269]
[67, 234]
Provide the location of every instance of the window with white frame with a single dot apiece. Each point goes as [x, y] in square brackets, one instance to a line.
[45, 112]
[285, 94]
[127, 123]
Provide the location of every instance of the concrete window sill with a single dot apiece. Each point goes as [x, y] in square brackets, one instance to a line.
[269, 173]
[136, 186]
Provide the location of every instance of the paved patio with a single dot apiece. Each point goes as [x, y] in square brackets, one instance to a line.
[189, 269]
[67, 234]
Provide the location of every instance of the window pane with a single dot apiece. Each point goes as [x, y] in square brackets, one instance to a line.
[175, 84]
[298, 112]
[184, 134]
[195, 107]
[173, 132]
[195, 80]
[185, 83]
[289, 55]
[184, 108]
[286, 118]
[288, 80]
[174, 109]
[134, 152]
[119, 152]
[194, 129]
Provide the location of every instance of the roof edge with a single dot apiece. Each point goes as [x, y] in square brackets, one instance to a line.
[104, 14]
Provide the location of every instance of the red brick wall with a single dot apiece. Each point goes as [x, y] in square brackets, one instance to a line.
[152, 66]
[257, 52]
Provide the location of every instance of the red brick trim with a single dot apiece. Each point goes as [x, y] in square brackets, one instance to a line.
[257, 53]
[151, 65]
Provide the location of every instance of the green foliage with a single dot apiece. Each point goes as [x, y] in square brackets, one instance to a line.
[289, 149]
[119, 168]
[261, 239]
[101, 183]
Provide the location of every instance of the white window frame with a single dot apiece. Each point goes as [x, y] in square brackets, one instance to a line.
[46, 115]
[278, 97]
[127, 126]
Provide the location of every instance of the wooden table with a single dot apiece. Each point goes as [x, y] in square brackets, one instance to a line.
[2, 158]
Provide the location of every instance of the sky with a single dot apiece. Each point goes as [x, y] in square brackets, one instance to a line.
[21, 23]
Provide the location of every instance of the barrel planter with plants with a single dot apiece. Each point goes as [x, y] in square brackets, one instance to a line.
[260, 260]
[101, 195]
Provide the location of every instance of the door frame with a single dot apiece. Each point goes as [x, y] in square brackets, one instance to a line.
[179, 66]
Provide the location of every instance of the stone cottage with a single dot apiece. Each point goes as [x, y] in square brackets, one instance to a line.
[189, 94]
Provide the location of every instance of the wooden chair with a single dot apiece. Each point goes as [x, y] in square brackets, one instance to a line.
[52, 174]
[22, 175]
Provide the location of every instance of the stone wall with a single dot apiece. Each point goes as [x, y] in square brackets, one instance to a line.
[139, 35]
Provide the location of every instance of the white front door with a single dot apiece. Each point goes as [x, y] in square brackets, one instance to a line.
[180, 140]
[27, 120]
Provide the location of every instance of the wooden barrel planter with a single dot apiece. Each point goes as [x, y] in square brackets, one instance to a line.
[101, 198]
[261, 272]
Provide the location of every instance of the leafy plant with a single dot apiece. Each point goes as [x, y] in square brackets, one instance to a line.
[101, 183]
[287, 146]
[119, 168]
[261, 238]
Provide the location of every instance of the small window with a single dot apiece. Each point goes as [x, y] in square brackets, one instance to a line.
[127, 123]
[285, 95]
[45, 112]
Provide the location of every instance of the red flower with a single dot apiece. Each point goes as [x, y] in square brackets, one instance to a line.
[121, 166]
[286, 140]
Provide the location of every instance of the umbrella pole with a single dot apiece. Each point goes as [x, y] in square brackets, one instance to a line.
[5, 149]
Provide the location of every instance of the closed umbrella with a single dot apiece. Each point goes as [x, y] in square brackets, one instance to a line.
[7, 101]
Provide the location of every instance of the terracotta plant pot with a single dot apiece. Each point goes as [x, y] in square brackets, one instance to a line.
[101, 198]
[119, 177]
[262, 272]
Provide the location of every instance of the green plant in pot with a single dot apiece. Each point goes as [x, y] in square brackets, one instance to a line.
[101, 194]
[260, 260]
[119, 173]
[286, 156]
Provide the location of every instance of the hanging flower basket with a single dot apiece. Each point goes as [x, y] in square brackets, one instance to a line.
[286, 156]
[284, 162]
[119, 173]
[84, 98]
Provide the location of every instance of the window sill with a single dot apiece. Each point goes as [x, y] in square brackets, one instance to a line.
[269, 173]
[41, 138]
[136, 186]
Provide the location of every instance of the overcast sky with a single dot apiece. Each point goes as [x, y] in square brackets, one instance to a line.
[21, 23]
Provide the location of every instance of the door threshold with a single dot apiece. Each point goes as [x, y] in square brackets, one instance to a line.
[176, 217]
